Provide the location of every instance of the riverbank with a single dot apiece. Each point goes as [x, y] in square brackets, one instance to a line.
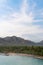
[21, 54]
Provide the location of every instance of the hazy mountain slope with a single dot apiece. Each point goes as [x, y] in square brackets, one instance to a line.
[18, 41]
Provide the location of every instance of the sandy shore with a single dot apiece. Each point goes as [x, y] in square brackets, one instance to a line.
[21, 54]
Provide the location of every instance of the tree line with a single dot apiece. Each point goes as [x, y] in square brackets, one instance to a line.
[34, 50]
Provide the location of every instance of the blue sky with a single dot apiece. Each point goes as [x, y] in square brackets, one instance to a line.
[22, 18]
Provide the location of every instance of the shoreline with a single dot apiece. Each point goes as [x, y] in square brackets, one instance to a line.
[21, 54]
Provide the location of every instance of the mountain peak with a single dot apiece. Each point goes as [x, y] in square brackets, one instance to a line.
[13, 40]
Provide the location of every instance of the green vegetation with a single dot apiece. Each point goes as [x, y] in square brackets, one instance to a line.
[35, 50]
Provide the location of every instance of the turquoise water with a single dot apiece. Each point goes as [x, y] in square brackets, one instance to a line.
[19, 60]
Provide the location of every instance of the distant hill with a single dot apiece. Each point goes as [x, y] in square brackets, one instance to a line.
[40, 43]
[12, 41]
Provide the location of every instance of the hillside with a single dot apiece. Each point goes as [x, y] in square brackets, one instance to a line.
[12, 41]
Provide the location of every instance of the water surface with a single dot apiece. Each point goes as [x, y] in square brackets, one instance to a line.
[19, 60]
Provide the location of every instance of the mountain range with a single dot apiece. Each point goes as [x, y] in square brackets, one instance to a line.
[17, 41]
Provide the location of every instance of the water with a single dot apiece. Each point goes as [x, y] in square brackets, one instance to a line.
[19, 60]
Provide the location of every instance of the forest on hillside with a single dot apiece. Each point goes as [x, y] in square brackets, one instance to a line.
[34, 50]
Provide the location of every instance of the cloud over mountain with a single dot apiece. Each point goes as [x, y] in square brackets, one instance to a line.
[23, 18]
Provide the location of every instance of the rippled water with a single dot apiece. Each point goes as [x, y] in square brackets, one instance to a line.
[19, 60]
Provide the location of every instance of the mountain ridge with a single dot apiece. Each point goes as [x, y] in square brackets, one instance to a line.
[18, 41]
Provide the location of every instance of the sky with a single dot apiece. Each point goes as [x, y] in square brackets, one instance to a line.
[22, 18]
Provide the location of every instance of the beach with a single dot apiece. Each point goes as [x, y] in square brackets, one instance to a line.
[21, 54]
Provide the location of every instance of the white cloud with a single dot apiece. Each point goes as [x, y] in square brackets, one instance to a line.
[11, 23]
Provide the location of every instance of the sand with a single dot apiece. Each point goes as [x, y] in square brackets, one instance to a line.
[21, 54]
